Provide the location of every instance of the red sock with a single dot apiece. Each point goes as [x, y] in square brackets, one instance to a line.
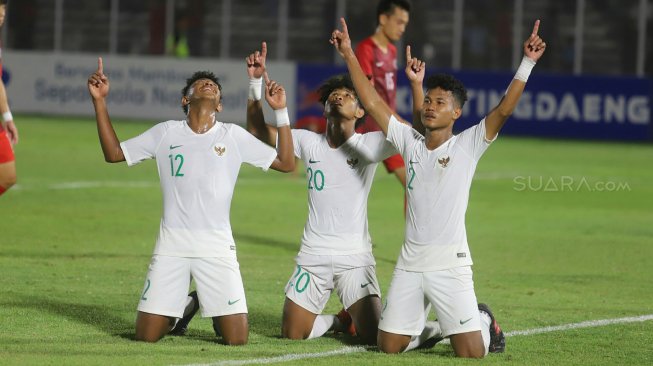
[2, 190]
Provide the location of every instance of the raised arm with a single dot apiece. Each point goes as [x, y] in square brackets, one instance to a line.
[275, 95]
[534, 47]
[98, 87]
[415, 70]
[255, 120]
[372, 101]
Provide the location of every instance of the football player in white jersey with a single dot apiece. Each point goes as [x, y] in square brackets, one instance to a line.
[198, 161]
[336, 248]
[434, 266]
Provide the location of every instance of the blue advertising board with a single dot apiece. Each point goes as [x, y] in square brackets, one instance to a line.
[586, 107]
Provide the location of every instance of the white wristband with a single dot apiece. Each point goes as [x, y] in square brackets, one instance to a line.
[6, 117]
[524, 69]
[255, 88]
[282, 117]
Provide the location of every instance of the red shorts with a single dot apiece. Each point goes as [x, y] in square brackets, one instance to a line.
[393, 163]
[6, 152]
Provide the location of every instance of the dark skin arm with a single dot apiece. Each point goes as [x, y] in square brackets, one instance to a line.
[534, 47]
[255, 120]
[275, 95]
[98, 87]
[415, 70]
[372, 101]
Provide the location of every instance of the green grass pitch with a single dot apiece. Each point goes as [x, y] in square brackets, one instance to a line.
[561, 232]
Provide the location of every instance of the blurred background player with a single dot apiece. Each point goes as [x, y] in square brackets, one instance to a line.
[336, 248]
[198, 162]
[8, 130]
[377, 56]
[434, 265]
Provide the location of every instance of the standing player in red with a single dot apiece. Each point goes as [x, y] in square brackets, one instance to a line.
[8, 131]
[377, 56]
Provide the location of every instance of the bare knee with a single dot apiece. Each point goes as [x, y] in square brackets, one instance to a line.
[233, 328]
[235, 340]
[293, 333]
[392, 343]
[150, 338]
[468, 345]
[469, 353]
[297, 322]
[151, 327]
[365, 314]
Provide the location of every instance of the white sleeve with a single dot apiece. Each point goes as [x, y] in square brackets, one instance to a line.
[401, 135]
[298, 136]
[252, 150]
[374, 147]
[473, 140]
[143, 146]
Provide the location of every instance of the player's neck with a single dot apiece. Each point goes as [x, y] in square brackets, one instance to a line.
[381, 40]
[201, 120]
[338, 132]
[435, 138]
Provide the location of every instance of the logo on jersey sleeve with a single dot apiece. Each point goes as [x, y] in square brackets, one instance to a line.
[444, 161]
[220, 149]
[352, 162]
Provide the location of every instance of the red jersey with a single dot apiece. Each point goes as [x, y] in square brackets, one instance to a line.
[2, 125]
[381, 67]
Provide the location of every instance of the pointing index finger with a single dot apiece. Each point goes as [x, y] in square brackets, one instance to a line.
[264, 49]
[344, 26]
[536, 27]
[266, 78]
[408, 56]
[100, 67]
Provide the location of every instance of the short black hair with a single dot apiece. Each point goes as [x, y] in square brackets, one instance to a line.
[342, 81]
[197, 76]
[387, 7]
[448, 83]
[4, 2]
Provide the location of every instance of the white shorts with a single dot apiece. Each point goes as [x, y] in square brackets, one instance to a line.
[315, 276]
[450, 291]
[219, 286]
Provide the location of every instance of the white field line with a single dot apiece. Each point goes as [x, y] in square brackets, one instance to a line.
[347, 350]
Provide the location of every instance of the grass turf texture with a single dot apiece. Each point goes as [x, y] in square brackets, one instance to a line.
[73, 259]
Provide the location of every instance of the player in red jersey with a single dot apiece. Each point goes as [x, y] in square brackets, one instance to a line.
[377, 56]
[8, 131]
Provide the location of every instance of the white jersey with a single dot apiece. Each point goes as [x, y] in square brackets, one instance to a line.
[338, 182]
[437, 186]
[197, 173]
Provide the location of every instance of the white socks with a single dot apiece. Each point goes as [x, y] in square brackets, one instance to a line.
[485, 330]
[321, 325]
[431, 329]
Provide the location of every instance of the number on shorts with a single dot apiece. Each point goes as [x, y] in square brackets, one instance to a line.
[147, 287]
[303, 276]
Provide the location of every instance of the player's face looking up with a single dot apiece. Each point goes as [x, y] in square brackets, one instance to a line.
[439, 109]
[342, 102]
[204, 87]
[394, 24]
